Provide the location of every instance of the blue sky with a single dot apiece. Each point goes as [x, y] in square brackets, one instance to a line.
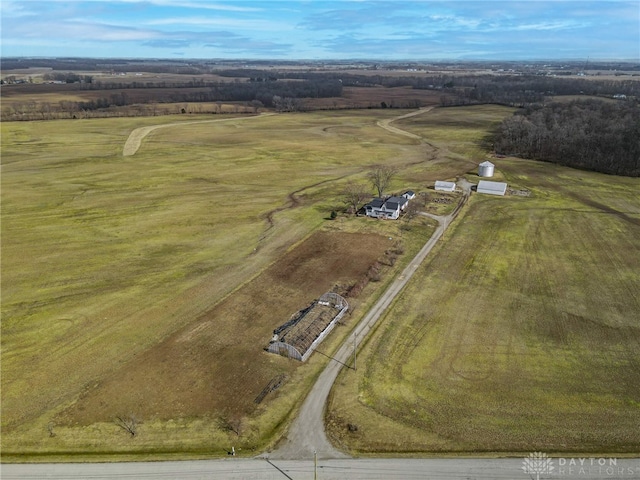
[346, 29]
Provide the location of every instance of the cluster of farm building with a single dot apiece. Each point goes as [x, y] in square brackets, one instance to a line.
[298, 337]
[391, 207]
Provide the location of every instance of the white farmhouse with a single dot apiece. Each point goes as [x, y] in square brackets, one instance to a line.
[409, 194]
[386, 208]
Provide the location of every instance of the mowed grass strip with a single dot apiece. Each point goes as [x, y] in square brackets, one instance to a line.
[522, 332]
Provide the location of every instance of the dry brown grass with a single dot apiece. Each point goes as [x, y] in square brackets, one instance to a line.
[217, 363]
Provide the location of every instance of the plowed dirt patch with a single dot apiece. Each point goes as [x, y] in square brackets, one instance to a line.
[217, 364]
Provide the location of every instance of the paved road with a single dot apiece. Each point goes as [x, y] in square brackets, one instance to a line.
[349, 469]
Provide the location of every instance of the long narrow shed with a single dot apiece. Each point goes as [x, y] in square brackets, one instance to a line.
[445, 186]
[299, 337]
[492, 188]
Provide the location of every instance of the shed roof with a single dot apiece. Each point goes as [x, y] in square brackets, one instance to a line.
[492, 188]
[442, 185]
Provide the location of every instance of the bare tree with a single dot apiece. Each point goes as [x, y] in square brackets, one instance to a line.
[411, 211]
[381, 177]
[128, 423]
[354, 195]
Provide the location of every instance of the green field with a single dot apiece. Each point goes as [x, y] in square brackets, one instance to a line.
[106, 258]
[521, 333]
[123, 280]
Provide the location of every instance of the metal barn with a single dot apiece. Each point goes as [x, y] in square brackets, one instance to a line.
[492, 188]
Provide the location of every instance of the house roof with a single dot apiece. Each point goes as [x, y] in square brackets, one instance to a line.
[398, 200]
[376, 203]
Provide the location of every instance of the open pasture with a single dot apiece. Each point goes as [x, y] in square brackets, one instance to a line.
[521, 333]
[126, 279]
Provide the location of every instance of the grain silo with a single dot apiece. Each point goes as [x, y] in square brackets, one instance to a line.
[485, 169]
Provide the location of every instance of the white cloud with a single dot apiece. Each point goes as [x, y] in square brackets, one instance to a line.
[221, 22]
[333, 29]
[13, 9]
[559, 25]
[201, 5]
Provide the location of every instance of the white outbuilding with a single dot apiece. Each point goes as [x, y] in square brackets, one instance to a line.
[485, 169]
[492, 188]
[445, 186]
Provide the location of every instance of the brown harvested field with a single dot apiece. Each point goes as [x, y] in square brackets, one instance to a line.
[20, 95]
[364, 97]
[217, 364]
[397, 96]
[13, 95]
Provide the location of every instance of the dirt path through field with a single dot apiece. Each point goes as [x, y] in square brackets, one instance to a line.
[386, 124]
[134, 141]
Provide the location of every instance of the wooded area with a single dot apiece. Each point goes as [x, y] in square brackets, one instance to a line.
[602, 136]
[108, 87]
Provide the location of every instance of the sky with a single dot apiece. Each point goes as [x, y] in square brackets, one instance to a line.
[322, 30]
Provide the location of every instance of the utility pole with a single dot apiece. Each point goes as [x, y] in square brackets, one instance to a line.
[355, 348]
[315, 465]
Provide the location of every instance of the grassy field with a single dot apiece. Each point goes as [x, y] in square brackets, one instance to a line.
[521, 333]
[146, 285]
[130, 280]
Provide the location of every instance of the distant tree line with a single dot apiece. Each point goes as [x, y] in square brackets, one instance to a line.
[525, 90]
[264, 92]
[511, 90]
[284, 89]
[267, 94]
[67, 77]
[283, 96]
[602, 136]
[113, 65]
